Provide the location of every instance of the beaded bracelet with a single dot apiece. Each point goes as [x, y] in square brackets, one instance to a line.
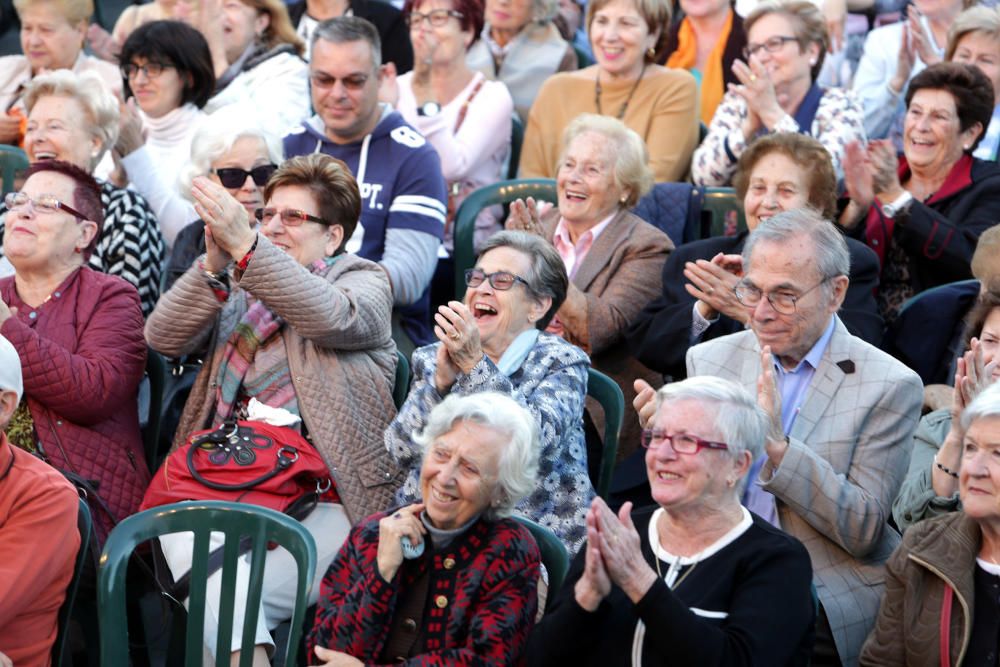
[945, 470]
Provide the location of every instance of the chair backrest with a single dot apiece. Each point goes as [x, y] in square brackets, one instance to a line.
[402, 385]
[516, 139]
[156, 371]
[12, 160]
[503, 192]
[606, 391]
[674, 208]
[724, 212]
[84, 525]
[554, 556]
[235, 521]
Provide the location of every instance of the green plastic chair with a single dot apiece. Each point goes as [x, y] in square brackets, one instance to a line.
[606, 391]
[554, 556]
[156, 371]
[726, 212]
[504, 192]
[12, 160]
[234, 520]
[84, 525]
[401, 387]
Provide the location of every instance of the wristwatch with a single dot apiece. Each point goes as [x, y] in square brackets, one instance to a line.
[897, 206]
[428, 109]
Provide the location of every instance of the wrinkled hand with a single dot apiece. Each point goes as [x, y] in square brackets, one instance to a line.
[835, 15]
[594, 584]
[456, 328]
[130, 134]
[769, 400]
[905, 59]
[10, 129]
[762, 100]
[972, 376]
[920, 43]
[712, 282]
[228, 220]
[102, 43]
[404, 522]
[332, 658]
[621, 550]
[524, 217]
[884, 169]
[644, 402]
[388, 88]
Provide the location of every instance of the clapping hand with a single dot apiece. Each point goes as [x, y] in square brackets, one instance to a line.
[713, 283]
[524, 216]
[594, 584]
[769, 401]
[225, 218]
[756, 89]
[621, 550]
[460, 349]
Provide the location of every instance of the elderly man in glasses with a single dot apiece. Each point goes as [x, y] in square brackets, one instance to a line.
[842, 416]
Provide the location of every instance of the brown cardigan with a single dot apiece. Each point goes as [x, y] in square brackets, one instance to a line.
[340, 355]
[621, 273]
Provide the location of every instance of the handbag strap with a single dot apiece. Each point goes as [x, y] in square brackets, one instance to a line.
[286, 456]
[946, 601]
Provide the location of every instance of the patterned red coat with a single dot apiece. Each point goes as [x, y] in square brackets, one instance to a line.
[481, 600]
[82, 356]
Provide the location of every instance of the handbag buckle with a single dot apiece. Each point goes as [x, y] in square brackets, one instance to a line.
[287, 456]
[323, 485]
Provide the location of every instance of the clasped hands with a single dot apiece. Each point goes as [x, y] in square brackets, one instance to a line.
[229, 234]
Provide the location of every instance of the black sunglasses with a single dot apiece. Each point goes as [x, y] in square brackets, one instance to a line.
[234, 177]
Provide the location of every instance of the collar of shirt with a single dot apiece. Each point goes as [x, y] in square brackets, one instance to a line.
[496, 50]
[792, 384]
[573, 254]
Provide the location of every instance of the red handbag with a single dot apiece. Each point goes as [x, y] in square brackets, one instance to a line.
[242, 461]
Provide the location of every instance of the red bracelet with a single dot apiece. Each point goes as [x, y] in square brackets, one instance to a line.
[242, 264]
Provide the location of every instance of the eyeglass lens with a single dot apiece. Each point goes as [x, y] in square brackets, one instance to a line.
[234, 177]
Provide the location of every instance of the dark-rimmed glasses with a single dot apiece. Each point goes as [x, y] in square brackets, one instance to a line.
[151, 70]
[499, 280]
[40, 204]
[682, 443]
[290, 217]
[783, 302]
[437, 17]
[771, 45]
[234, 177]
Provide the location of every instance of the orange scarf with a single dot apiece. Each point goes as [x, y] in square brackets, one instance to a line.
[685, 55]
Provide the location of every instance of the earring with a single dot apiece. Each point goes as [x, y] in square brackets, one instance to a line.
[965, 147]
[651, 53]
[812, 62]
[624, 199]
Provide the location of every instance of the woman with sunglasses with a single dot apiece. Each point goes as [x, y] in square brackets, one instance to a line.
[300, 326]
[495, 340]
[696, 579]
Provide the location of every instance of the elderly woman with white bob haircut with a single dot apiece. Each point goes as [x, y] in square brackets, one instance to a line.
[698, 580]
[450, 579]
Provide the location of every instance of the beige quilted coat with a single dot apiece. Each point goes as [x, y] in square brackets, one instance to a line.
[340, 353]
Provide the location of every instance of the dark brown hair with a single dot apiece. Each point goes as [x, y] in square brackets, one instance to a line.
[968, 86]
[976, 318]
[86, 194]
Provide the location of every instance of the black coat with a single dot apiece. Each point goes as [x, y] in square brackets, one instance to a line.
[660, 337]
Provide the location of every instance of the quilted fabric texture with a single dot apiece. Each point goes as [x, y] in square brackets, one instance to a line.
[340, 353]
[671, 208]
[82, 357]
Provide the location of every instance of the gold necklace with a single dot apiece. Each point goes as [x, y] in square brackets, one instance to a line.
[683, 576]
[597, 92]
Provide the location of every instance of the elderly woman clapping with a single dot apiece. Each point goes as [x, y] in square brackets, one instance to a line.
[944, 575]
[453, 565]
[699, 580]
[614, 259]
[494, 341]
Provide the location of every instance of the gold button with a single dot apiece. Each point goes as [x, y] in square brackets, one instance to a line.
[441, 601]
[449, 563]
[409, 624]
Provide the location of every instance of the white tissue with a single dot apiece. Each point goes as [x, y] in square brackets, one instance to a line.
[258, 412]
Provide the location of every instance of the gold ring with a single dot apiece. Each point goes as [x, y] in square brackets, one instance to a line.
[454, 335]
[753, 77]
[710, 290]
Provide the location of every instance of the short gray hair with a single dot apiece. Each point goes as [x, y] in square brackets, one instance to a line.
[343, 29]
[627, 149]
[548, 271]
[830, 252]
[739, 421]
[216, 136]
[984, 406]
[517, 468]
[87, 88]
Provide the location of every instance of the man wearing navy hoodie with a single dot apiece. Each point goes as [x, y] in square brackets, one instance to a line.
[403, 193]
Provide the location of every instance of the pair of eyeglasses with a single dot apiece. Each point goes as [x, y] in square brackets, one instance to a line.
[499, 280]
[437, 18]
[682, 443]
[783, 302]
[290, 217]
[151, 70]
[772, 45]
[234, 177]
[40, 204]
[350, 82]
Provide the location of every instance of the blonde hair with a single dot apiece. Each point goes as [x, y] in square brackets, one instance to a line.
[656, 12]
[631, 170]
[279, 29]
[807, 23]
[75, 11]
[986, 258]
[99, 104]
[975, 19]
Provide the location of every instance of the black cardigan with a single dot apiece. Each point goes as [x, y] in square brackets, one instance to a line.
[388, 20]
[761, 580]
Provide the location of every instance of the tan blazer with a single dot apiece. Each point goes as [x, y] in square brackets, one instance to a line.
[621, 273]
[848, 454]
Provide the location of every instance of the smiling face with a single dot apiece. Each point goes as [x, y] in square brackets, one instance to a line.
[58, 129]
[585, 180]
[247, 152]
[508, 15]
[982, 50]
[620, 37]
[241, 24]
[156, 95]
[458, 477]
[777, 183]
[48, 40]
[790, 64]
[501, 315]
[932, 137]
[689, 480]
[349, 112]
[979, 476]
[444, 45]
[307, 242]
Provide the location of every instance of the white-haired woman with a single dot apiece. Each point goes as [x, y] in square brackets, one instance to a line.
[232, 150]
[521, 47]
[74, 118]
[614, 259]
[698, 580]
[450, 579]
